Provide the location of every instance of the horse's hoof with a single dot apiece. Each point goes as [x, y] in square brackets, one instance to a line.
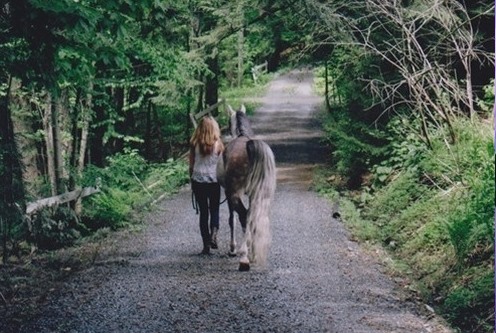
[232, 254]
[244, 267]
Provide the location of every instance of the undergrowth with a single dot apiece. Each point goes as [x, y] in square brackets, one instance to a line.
[432, 209]
[130, 184]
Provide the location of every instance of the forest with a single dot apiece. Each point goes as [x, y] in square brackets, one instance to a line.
[98, 94]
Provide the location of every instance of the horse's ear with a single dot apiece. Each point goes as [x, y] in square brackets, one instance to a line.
[243, 109]
[230, 110]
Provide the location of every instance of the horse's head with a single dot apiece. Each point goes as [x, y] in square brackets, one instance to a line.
[238, 122]
[233, 119]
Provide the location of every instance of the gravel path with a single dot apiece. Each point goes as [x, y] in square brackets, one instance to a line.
[317, 280]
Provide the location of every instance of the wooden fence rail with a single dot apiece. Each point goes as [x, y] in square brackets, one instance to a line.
[259, 69]
[32, 207]
[195, 117]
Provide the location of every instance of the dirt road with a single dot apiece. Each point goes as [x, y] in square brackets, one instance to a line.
[317, 280]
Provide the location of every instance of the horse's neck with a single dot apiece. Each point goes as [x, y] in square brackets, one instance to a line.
[241, 126]
[245, 131]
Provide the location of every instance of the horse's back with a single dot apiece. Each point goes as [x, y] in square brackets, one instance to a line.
[236, 164]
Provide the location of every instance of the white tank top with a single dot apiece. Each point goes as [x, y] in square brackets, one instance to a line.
[205, 168]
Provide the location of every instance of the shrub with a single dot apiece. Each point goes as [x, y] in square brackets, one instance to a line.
[168, 176]
[404, 151]
[471, 306]
[129, 185]
[470, 166]
[352, 151]
[52, 230]
[111, 208]
[124, 168]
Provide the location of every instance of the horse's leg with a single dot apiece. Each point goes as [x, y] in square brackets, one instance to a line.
[251, 249]
[244, 263]
[232, 244]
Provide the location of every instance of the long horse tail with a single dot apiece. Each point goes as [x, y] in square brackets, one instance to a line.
[260, 189]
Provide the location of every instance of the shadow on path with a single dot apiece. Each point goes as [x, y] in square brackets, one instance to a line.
[287, 122]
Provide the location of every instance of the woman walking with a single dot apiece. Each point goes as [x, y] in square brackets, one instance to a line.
[205, 149]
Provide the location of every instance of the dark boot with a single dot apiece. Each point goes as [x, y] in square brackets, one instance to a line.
[213, 242]
[206, 245]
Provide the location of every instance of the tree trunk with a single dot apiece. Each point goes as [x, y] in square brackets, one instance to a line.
[48, 130]
[76, 112]
[117, 143]
[328, 104]
[86, 108]
[58, 109]
[189, 103]
[96, 148]
[162, 154]
[5, 237]
[212, 82]
[201, 90]
[12, 195]
[277, 42]
[148, 133]
[84, 133]
[469, 88]
[241, 42]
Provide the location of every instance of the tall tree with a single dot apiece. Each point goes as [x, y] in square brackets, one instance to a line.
[12, 192]
[12, 197]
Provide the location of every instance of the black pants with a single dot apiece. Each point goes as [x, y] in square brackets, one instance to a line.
[207, 196]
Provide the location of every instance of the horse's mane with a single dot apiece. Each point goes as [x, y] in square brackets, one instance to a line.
[243, 126]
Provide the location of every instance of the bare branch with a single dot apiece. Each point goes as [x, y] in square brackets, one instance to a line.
[424, 42]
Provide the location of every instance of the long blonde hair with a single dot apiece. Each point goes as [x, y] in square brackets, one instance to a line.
[206, 135]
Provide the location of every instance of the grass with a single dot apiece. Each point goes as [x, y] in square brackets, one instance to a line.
[250, 95]
[435, 217]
